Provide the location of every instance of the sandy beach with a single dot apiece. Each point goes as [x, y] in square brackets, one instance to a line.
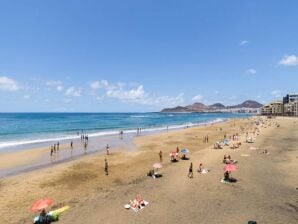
[266, 189]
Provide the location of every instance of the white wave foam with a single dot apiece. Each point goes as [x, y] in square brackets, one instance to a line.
[139, 116]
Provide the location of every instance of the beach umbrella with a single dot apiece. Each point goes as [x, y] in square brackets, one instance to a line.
[174, 153]
[230, 167]
[184, 151]
[157, 165]
[41, 204]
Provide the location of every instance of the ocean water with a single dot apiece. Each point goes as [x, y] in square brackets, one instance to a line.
[28, 128]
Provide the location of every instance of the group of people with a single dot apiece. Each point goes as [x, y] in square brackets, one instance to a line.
[55, 148]
[200, 170]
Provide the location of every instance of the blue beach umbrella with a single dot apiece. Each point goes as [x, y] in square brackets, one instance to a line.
[184, 151]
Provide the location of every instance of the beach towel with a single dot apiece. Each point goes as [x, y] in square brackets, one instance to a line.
[204, 171]
[224, 181]
[141, 207]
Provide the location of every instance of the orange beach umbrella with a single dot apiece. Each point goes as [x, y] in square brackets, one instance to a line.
[41, 204]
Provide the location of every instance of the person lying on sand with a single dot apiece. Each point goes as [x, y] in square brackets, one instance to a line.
[265, 152]
[134, 203]
[43, 218]
[202, 169]
[140, 200]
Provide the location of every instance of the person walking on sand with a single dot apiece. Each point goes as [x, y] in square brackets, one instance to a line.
[190, 172]
[71, 145]
[160, 156]
[108, 149]
[106, 167]
[52, 150]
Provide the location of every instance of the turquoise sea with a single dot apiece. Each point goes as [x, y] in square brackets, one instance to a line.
[17, 129]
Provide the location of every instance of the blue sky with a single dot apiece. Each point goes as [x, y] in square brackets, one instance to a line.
[73, 56]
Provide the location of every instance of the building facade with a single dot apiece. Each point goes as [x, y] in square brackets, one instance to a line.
[287, 107]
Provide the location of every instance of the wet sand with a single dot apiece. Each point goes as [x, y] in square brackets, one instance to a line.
[266, 190]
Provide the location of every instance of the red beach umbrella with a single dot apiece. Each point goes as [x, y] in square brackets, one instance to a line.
[174, 153]
[41, 204]
[230, 167]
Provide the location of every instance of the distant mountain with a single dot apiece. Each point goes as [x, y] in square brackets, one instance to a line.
[247, 104]
[178, 109]
[197, 107]
[217, 106]
[200, 107]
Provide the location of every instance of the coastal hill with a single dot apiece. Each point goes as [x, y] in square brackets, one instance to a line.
[217, 107]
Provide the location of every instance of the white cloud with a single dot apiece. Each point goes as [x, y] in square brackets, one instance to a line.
[59, 88]
[7, 84]
[244, 42]
[166, 101]
[276, 93]
[289, 60]
[197, 98]
[73, 92]
[133, 94]
[53, 83]
[27, 96]
[99, 84]
[251, 71]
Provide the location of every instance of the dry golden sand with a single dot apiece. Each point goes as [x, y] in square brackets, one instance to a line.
[265, 191]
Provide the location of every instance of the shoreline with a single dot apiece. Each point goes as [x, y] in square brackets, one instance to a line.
[38, 157]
